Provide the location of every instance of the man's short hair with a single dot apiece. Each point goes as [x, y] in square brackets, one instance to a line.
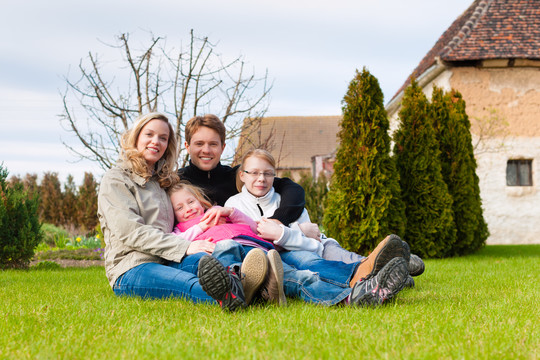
[210, 121]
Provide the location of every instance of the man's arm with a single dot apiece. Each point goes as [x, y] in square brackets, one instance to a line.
[292, 203]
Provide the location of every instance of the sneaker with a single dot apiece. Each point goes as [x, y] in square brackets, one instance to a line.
[254, 271]
[221, 284]
[381, 287]
[391, 247]
[416, 265]
[272, 289]
[409, 283]
[406, 250]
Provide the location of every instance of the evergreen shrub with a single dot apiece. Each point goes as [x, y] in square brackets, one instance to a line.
[315, 193]
[458, 165]
[431, 230]
[20, 229]
[364, 203]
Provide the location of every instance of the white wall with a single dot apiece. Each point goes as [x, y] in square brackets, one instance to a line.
[512, 212]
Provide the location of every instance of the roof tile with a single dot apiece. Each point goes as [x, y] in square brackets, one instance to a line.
[488, 29]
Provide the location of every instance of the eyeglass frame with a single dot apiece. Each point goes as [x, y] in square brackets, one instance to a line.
[266, 175]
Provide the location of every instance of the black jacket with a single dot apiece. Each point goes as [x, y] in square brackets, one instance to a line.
[219, 184]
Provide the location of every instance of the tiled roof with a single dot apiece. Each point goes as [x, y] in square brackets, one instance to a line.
[488, 29]
[295, 139]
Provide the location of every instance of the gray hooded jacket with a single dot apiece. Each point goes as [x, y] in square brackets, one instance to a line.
[136, 218]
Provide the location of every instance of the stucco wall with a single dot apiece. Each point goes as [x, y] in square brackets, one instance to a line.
[512, 213]
[513, 92]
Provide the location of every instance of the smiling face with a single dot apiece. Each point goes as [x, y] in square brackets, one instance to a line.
[205, 148]
[153, 140]
[259, 177]
[185, 205]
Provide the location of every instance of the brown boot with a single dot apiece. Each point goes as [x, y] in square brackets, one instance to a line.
[254, 270]
[387, 249]
[272, 289]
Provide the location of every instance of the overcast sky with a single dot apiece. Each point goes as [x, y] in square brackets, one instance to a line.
[311, 50]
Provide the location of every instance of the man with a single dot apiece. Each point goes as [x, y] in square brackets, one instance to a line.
[205, 142]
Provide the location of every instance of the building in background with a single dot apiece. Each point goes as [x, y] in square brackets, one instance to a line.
[491, 55]
[293, 141]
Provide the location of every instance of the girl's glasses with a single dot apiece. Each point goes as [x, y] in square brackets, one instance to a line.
[256, 174]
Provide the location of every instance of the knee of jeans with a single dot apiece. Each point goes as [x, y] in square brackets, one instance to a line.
[306, 276]
[226, 244]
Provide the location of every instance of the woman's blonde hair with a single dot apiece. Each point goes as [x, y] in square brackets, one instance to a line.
[196, 191]
[261, 154]
[166, 167]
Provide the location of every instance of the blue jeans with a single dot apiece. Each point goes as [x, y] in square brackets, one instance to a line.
[335, 272]
[305, 284]
[333, 251]
[157, 281]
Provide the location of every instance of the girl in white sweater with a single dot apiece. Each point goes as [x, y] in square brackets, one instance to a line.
[258, 200]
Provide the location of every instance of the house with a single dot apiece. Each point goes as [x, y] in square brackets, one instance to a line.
[491, 55]
[293, 141]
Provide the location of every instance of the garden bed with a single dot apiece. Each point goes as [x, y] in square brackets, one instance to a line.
[80, 257]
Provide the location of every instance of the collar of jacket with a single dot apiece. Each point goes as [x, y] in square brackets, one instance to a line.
[263, 200]
[203, 174]
[128, 168]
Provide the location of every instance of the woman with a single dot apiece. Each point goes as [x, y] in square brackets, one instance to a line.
[142, 257]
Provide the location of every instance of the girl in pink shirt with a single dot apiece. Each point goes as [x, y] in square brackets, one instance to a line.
[261, 267]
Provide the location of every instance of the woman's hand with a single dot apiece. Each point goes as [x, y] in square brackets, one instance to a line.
[198, 246]
[269, 229]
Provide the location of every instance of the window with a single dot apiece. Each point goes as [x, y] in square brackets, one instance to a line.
[519, 173]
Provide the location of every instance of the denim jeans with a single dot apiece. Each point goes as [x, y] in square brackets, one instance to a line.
[333, 251]
[335, 272]
[157, 281]
[305, 284]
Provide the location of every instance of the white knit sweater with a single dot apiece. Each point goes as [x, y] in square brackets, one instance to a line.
[257, 207]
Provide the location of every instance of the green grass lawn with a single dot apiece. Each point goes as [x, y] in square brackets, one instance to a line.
[484, 306]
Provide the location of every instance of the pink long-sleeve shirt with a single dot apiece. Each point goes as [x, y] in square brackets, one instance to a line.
[238, 227]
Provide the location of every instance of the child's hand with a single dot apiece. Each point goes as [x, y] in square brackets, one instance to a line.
[205, 224]
[311, 230]
[269, 230]
[216, 216]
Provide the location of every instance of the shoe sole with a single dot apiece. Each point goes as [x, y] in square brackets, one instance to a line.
[406, 251]
[395, 273]
[213, 277]
[276, 268]
[389, 248]
[254, 268]
[416, 265]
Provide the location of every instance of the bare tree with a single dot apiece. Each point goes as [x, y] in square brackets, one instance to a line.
[103, 103]
[489, 133]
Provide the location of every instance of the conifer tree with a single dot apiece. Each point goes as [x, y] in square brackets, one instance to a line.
[30, 182]
[20, 230]
[430, 229]
[315, 191]
[363, 204]
[458, 164]
[69, 203]
[87, 202]
[51, 209]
